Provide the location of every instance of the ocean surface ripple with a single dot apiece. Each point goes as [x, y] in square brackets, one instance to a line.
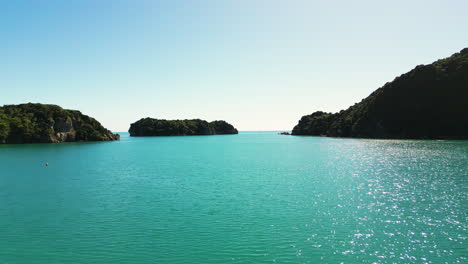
[248, 198]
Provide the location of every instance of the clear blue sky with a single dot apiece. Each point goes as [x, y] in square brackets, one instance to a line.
[259, 65]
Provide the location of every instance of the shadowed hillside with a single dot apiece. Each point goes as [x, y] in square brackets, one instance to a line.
[161, 127]
[429, 102]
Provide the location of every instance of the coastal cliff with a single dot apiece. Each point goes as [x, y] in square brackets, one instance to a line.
[161, 127]
[429, 102]
[41, 123]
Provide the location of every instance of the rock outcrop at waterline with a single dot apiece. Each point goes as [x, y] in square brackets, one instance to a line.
[161, 127]
[429, 102]
[41, 123]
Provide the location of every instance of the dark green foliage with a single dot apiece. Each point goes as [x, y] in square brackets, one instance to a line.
[429, 102]
[161, 127]
[34, 123]
[4, 127]
[222, 127]
[315, 124]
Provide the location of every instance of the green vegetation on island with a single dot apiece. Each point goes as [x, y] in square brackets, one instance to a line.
[429, 102]
[161, 127]
[41, 123]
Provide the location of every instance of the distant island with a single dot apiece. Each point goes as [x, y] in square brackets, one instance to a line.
[42, 123]
[189, 127]
[429, 102]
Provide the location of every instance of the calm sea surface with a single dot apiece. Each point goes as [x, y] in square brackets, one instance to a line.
[256, 197]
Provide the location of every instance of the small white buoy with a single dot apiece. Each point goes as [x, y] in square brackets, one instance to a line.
[47, 164]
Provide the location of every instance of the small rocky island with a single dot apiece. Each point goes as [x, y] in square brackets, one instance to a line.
[42, 123]
[429, 102]
[188, 127]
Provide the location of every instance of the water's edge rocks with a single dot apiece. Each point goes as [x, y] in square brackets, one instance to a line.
[42, 123]
[429, 102]
[188, 127]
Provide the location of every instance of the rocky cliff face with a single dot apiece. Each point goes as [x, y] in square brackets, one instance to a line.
[162, 127]
[39, 123]
[429, 102]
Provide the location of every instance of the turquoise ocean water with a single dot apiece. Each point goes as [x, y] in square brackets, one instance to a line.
[256, 197]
